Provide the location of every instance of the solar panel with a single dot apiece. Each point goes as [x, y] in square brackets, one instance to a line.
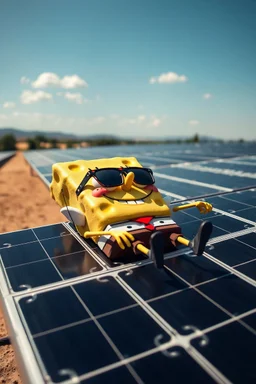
[76, 316]
[183, 170]
[5, 156]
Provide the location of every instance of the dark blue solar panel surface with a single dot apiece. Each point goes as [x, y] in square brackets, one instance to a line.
[5, 156]
[126, 315]
[246, 167]
[228, 181]
[231, 349]
[51, 249]
[91, 320]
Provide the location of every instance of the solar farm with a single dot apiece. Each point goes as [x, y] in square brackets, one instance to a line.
[75, 316]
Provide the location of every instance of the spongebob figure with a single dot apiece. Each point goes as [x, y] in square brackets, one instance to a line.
[115, 202]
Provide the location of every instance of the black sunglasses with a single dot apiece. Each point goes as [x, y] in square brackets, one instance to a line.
[114, 177]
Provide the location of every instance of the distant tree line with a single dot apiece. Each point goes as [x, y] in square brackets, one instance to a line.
[8, 142]
[38, 141]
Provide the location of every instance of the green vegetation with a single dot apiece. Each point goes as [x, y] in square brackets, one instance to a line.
[8, 143]
[108, 141]
[32, 144]
[37, 141]
[40, 141]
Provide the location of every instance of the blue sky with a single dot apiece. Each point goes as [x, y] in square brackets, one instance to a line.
[133, 68]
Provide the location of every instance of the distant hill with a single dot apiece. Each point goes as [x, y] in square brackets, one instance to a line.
[22, 134]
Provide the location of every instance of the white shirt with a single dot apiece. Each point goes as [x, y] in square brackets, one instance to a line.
[128, 226]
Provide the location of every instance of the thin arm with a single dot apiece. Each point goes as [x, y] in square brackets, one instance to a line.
[202, 206]
[97, 233]
[185, 206]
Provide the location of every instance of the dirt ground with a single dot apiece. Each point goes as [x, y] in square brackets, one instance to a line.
[24, 202]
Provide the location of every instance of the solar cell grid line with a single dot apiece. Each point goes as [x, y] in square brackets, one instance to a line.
[24, 355]
[248, 268]
[229, 236]
[233, 165]
[247, 158]
[47, 178]
[220, 344]
[181, 305]
[152, 157]
[193, 222]
[202, 193]
[206, 343]
[23, 258]
[190, 327]
[109, 340]
[191, 182]
[193, 176]
[232, 270]
[227, 198]
[218, 168]
[207, 277]
[216, 211]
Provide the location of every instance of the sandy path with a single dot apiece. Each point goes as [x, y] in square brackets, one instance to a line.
[24, 202]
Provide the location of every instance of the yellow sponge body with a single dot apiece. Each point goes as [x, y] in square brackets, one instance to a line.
[109, 208]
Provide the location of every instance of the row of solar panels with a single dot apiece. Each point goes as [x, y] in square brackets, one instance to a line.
[66, 303]
[187, 177]
[5, 156]
[78, 317]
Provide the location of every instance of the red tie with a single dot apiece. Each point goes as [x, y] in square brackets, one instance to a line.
[146, 220]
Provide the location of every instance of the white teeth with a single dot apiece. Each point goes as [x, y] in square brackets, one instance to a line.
[131, 202]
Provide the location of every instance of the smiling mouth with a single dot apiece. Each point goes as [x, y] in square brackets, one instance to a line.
[133, 202]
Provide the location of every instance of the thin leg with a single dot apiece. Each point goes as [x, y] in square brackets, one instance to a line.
[143, 249]
[183, 240]
[199, 242]
[156, 252]
[157, 249]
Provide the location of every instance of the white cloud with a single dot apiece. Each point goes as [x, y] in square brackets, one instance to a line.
[46, 122]
[207, 96]
[85, 125]
[49, 79]
[137, 120]
[46, 79]
[156, 122]
[193, 122]
[141, 121]
[9, 104]
[168, 78]
[75, 97]
[74, 81]
[97, 120]
[24, 80]
[29, 97]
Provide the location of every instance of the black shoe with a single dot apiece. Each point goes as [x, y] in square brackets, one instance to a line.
[199, 242]
[157, 249]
